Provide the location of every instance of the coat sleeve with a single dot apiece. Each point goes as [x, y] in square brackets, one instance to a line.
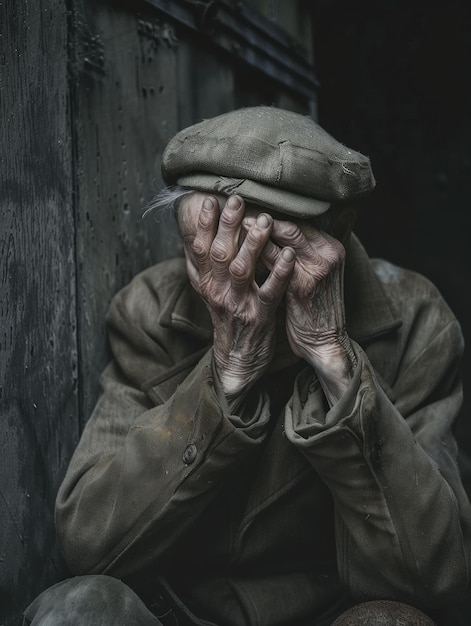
[142, 473]
[140, 476]
[402, 516]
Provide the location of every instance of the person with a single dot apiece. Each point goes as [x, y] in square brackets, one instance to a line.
[273, 444]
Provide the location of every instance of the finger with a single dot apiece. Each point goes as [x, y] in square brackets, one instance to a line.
[307, 242]
[286, 233]
[273, 289]
[289, 234]
[226, 242]
[205, 233]
[311, 244]
[270, 252]
[242, 268]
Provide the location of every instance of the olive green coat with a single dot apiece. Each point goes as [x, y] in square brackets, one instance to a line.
[272, 519]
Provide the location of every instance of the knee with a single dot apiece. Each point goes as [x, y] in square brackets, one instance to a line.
[94, 599]
[383, 613]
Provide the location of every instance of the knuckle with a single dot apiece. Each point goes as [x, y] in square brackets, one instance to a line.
[198, 248]
[255, 237]
[238, 269]
[218, 252]
[228, 218]
[205, 220]
[292, 228]
[293, 231]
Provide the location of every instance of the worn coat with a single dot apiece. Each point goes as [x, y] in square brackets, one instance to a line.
[277, 514]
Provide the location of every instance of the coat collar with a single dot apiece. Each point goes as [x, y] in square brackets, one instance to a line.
[187, 312]
[369, 312]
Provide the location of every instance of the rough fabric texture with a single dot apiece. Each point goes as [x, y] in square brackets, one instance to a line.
[275, 158]
[89, 601]
[383, 613]
[275, 519]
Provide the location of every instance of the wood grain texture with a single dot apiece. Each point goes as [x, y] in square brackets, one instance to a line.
[38, 356]
[124, 113]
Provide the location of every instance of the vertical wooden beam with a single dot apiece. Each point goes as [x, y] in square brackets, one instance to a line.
[125, 111]
[38, 356]
[205, 81]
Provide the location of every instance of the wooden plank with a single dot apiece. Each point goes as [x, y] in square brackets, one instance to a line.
[38, 356]
[246, 35]
[125, 112]
[294, 17]
[205, 81]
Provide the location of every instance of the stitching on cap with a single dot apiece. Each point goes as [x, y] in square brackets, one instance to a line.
[279, 172]
[348, 171]
[222, 185]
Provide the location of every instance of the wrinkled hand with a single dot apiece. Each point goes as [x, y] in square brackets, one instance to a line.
[315, 315]
[243, 313]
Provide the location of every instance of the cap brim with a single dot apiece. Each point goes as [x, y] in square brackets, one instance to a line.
[269, 197]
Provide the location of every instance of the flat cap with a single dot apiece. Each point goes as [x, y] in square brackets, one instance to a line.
[272, 157]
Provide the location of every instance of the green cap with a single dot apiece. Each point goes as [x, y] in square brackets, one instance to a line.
[272, 157]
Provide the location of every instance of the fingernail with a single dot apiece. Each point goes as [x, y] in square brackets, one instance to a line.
[208, 204]
[233, 202]
[287, 254]
[262, 221]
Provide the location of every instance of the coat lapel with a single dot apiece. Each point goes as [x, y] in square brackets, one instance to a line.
[368, 311]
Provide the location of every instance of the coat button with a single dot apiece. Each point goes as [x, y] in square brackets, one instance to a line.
[190, 454]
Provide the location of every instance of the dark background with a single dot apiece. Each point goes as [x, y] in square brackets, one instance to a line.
[396, 85]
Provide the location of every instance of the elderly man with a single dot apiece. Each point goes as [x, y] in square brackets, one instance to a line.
[273, 443]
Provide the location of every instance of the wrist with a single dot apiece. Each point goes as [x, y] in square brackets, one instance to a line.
[233, 380]
[237, 374]
[334, 363]
[333, 352]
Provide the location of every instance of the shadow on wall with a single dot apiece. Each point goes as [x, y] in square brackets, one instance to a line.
[395, 84]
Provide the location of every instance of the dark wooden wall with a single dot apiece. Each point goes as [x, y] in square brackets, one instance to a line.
[39, 366]
[91, 90]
